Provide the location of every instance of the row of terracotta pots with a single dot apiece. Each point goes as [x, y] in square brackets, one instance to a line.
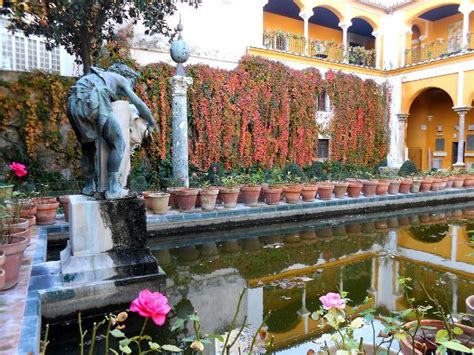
[43, 210]
[17, 234]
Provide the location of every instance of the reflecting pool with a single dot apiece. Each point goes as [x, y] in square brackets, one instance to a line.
[288, 267]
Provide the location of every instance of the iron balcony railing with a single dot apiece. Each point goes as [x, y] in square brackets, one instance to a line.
[440, 48]
[327, 50]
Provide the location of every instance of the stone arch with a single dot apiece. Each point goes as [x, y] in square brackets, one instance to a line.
[367, 19]
[335, 7]
[412, 14]
[411, 90]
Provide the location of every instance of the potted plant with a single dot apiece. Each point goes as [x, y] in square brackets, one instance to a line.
[325, 190]
[354, 188]
[64, 201]
[393, 187]
[442, 335]
[340, 188]
[208, 196]
[17, 171]
[250, 189]
[405, 185]
[46, 209]
[309, 190]
[229, 191]
[369, 187]
[436, 184]
[415, 185]
[293, 188]
[458, 181]
[382, 187]
[159, 202]
[426, 184]
[186, 198]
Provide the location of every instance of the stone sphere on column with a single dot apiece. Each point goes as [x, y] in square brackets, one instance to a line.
[179, 49]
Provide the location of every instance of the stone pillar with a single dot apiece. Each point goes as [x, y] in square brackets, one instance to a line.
[402, 123]
[306, 16]
[378, 48]
[405, 31]
[466, 10]
[461, 111]
[345, 26]
[180, 85]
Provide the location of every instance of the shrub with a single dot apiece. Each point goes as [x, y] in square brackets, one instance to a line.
[315, 170]
[215, 172]
[294, 170]
[408, 168]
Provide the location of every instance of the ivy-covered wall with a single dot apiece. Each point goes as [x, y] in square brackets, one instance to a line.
[261, 113]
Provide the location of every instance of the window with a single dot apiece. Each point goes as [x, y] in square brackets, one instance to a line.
[323, 148]
[439, 144]
[323, 101]
[470, 142]
[32, 54]
[280, 42]
[20, 53]
[7, 52]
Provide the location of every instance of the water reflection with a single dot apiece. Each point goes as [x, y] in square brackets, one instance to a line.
[288, 271]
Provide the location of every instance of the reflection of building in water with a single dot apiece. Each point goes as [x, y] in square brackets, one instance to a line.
[288, 274]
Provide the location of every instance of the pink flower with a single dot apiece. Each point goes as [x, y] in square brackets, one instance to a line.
[214, 168]
[152, 305]
[18, 169]
[332, 300]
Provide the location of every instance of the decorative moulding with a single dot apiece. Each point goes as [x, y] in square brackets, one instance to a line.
[423, 127]
[440, 154]
[469, 154]
[470, 127]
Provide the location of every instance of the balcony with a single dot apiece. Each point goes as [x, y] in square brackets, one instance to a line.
[440, 48]
[325, 50]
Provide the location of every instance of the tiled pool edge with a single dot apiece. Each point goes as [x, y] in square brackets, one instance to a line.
[159, 224]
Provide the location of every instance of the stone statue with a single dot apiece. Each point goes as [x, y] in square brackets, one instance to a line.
[92, 118]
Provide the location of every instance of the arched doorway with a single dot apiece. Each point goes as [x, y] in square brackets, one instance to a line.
[325, 34]
[361, 43]
[432, 135]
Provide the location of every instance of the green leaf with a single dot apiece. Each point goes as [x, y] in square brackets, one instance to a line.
[154, 346]
[457, 331]
[456, 346]
[124, 342]
[442, 335]
[125, 349]
[171, 348]
[178, 324]
[117, 333]
[194, 318]
[114, 351]
[369, 317]
[216, 336]
[408, 313]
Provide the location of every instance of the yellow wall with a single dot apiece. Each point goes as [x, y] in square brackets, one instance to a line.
[442, 248]
[273, 22]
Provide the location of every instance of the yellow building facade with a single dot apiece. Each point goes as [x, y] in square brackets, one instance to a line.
[423, 49]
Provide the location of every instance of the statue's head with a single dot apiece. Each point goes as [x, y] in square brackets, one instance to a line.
[125, 71]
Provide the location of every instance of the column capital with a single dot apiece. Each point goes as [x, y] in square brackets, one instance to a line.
[466, 8]
[180, 84]
[461, 109]
[376, 34]
[306, 15]
[406, 30]
[402, 117]
[345, 25]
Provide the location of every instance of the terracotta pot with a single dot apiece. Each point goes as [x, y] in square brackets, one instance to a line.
[426, 185]
[367, 349]
[147, 199]
[31, 221]
[229, 196]
[469, 307]
[250, 195]
[382, 187]
[159, 202]
[46, 199]
[468, 180]
[28, 210]
[458, 182]
[16, 226]
[325, 191]
[18, 232]
[208, 198]
[173, 199]
[308, 192]
[340, 189]
[369, 187]
[261, 196]
[424, 218]
[46, 212]
[13, 257]
[415, 186]
[186, 198]
[309, 234]
[450, 182]
[64, 201]
[292, 193]
[406, 345]
[272, 195]
[354, 228]
[2, 258]
[436, 185]
[443, 183]
[393, 187]
[405, 186]
[354, 188]
[381, 225]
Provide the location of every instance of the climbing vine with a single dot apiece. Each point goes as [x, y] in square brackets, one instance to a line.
[261, 113]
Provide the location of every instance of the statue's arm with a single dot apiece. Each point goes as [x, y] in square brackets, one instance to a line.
[140, 105]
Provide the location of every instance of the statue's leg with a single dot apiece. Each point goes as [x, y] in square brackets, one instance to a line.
[88, 163]
[114, 139]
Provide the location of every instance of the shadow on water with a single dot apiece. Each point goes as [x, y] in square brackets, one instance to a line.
[288, 267]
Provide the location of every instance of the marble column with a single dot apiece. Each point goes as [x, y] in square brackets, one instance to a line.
[405, 31]
[180, 86]
[466, 10]
[345, 27]
[378, 48]
[306, 16]
[402, 123]
[461, 111]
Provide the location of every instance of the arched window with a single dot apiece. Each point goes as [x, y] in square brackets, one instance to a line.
[323, 101]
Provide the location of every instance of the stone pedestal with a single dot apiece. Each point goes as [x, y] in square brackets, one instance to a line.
[107, 241]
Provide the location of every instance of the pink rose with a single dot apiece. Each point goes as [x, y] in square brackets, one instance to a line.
[18, 169]
[152, 305]
[214, 168]
[332, 300]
